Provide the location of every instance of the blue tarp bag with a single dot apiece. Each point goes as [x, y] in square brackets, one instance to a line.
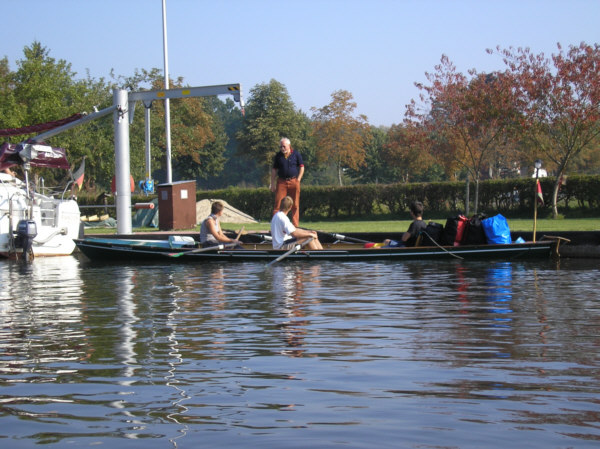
[496, 230]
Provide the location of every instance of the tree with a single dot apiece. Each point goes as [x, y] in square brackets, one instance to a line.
[559, 102]
[239, 169]
[340, 136]
[408, 150]
[9, 111]
[198, 138]
[271, 115]
[469, 118]
[43, 89]
[376, 168]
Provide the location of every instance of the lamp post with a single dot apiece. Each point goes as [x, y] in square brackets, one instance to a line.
[537, 164]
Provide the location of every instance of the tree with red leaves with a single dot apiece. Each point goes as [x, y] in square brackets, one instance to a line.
[468, 119]
[559, 102]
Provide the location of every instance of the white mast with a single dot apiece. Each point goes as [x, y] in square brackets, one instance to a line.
[167, 104]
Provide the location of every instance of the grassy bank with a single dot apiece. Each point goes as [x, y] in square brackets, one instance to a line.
[543, 225]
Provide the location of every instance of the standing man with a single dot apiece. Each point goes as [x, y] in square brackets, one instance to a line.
[286, 174]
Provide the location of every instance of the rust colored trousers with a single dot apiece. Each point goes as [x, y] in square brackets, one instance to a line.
[290, 188]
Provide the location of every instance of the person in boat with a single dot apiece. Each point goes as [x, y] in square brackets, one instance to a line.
[285, 235]
[286, 174]
[409, 238]
[210, 231]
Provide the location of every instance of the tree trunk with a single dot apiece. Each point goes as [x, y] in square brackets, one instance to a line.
[476, 205]
[559, 174]
[467, 197]
[340, 177]
[555, 196]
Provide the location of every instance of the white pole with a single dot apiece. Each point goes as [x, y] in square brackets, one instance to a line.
[148, 146]
[122, 176]
[167, 105]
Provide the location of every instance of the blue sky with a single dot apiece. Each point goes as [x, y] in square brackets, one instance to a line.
[375, 49]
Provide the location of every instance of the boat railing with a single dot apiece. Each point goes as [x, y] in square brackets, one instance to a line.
[65, 190]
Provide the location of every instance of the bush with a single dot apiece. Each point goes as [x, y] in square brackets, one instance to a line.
[511, 197]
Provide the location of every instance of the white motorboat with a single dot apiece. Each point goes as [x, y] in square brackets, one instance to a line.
[33, 223]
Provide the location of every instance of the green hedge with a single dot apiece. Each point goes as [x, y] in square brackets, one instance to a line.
[507, 196]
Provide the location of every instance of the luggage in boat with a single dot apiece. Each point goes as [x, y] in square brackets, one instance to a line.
[454, 230]
[433, 234]
[474, 233]
[496, 229]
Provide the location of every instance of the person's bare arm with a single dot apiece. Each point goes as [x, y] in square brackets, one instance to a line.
[217, 233]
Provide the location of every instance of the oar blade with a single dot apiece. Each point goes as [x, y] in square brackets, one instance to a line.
[175, 254]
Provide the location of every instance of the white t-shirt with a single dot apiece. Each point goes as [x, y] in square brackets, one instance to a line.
[281, 229]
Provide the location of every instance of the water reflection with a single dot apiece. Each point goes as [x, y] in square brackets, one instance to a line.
[360, 354]
[290, 284]
[126, 316]
[499, 292]
[40, 312]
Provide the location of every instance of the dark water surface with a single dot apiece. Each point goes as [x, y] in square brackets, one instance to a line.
[361, 355]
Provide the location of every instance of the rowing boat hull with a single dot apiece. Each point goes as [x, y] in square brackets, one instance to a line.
[125, 250]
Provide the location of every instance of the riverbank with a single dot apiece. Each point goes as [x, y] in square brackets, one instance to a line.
[516, 225]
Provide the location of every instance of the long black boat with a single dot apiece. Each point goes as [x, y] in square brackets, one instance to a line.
[186, 249]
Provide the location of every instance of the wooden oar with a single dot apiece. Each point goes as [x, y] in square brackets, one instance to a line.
[237, 237]
[208, 248]
[291, 251]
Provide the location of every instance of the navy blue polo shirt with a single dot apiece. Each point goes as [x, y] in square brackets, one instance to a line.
[290, 167]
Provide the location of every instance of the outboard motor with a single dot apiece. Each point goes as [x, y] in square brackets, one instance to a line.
[26, 232]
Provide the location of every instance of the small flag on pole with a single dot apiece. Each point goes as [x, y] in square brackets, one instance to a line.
[78, 175]
[539, 196]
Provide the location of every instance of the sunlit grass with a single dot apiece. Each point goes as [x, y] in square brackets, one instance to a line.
[543, 225]
[579, 224]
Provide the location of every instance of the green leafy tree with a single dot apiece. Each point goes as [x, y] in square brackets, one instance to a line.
[377, 168]
[43, 89]
[271, 115]
[340, 136]
[240, 169]
[10, 114]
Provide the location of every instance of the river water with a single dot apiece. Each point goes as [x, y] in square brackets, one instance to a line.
[359, 355]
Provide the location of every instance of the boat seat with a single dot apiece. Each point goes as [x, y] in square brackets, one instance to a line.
[178, 241]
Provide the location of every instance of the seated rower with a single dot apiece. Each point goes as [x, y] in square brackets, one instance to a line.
[409, 238]
[285, 235]
[210, 231]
